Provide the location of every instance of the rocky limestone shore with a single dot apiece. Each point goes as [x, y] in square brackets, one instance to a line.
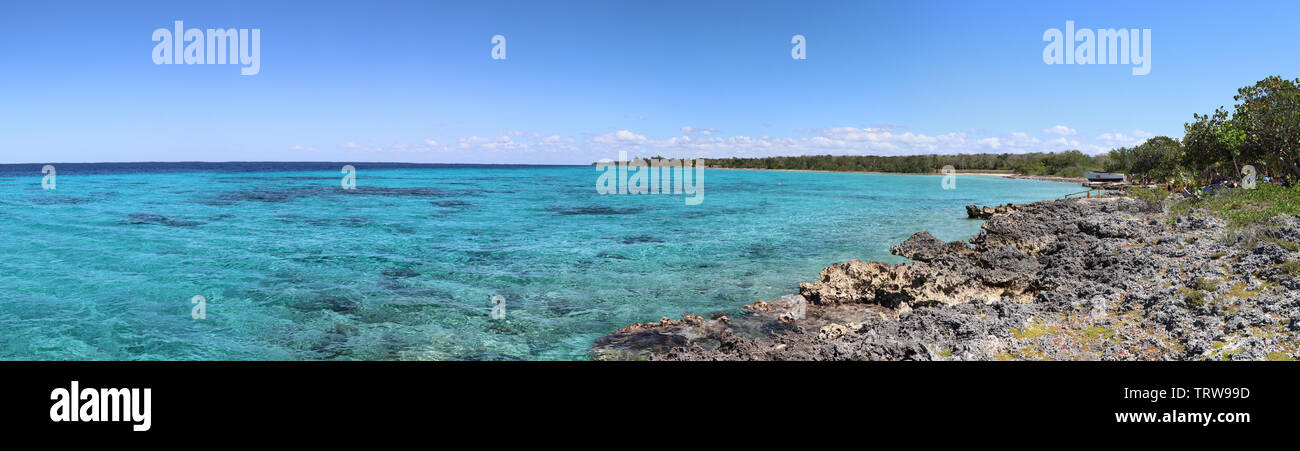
[978, 212]
[1076, 279]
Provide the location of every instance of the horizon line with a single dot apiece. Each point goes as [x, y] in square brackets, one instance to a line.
[285, 161]
[548, 164]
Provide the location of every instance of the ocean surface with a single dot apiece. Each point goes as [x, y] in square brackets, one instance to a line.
[290, 266]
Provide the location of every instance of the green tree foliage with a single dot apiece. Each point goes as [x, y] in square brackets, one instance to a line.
[1268, 115]
[1066, 164]
[1070, 164]
[1120, 160]
[1204, 144]
[1263, 129]
[1154, 161]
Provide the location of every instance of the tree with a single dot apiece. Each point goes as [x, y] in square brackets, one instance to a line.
[1268, 114]
[1157, 159]
[1211, 141]
[1120, 160]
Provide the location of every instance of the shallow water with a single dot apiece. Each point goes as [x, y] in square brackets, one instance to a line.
[293, 267]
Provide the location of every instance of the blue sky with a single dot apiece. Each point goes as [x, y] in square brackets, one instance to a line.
[415, 81]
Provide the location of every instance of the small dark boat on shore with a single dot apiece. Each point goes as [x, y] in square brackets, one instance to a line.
[1103, 176]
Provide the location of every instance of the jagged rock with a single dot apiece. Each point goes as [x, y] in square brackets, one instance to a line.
[639, 341]
[1191, 223]
[1007, 267]
[978, 212]
[943, 274]
[790, 307]
[833, 331]
[1261, 257]
[1109, 227]
[924, 247]
[1069, 279]
[1288, 229]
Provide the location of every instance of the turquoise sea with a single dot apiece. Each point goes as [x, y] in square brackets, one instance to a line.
[293, 267]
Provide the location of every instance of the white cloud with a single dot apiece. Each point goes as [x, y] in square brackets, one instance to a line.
[620, 138]
[528, 143]
[857, 141]
[692, 131]
[1118, 139]
[696, 142]
[1060, 130]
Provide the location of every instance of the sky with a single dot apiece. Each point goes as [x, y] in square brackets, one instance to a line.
[580, 81]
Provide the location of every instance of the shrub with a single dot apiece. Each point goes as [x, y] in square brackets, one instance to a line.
[1205, 284]
[1152, 200]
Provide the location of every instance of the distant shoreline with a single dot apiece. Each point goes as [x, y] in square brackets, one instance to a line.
[1012, 175]
[1051, 178]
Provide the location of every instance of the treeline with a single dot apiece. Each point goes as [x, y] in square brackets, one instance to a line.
[1261, 130]
[1063, 164]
